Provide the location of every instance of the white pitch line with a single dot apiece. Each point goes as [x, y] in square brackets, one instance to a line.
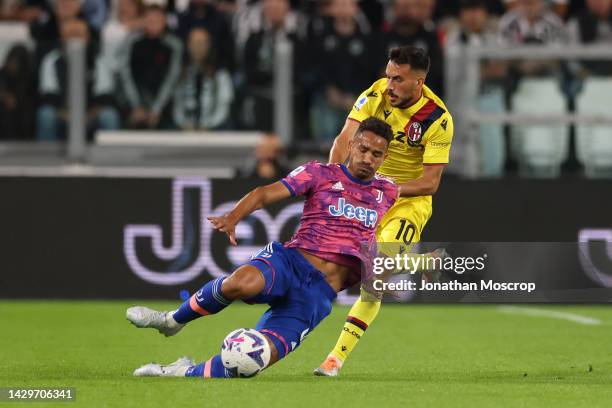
[553, 314]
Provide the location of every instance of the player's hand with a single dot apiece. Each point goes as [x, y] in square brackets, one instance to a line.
[225, 224]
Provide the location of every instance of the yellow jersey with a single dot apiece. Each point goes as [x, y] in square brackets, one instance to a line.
[422, 136]
[422, 132]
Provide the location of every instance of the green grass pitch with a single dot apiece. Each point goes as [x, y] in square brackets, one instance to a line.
[413, 356]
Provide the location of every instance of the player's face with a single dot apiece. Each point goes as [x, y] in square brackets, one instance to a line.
[404, 85]
[367, 151]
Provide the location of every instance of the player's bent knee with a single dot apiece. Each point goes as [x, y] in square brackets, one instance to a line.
[368, 297]
[244, 283]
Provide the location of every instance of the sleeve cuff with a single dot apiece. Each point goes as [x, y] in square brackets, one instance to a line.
[291, 190]
[357, 116]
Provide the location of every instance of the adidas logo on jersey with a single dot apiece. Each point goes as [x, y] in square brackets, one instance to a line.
[338, 187]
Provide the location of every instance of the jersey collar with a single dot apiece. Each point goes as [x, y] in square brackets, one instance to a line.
[411, 110]
[355, 179]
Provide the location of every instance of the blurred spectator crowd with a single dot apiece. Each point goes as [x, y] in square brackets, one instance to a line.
[209, 64]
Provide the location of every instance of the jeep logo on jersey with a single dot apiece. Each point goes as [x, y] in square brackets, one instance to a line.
[365, 215]
[415, 134]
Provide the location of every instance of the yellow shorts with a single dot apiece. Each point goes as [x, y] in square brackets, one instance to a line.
[402, 226]
[398, 231]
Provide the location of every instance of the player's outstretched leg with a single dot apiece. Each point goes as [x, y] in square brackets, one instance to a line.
[244, 283]
[364, 312]
[214, 366]
[185, 367]
[176, 369]
[361, 315]
[142, 316]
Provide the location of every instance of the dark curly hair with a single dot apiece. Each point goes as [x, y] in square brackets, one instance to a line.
[378, 127]
[416, 57]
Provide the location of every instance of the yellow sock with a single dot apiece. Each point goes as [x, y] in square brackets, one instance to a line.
[361, 315]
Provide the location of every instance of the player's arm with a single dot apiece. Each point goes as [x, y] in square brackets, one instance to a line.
[435, 158]
[364, 107]
[339, 150]
[254, 200]
[426, 185]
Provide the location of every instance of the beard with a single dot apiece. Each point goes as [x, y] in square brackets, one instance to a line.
[401, 103]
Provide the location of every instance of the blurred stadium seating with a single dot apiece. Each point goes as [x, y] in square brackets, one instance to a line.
[542, 148]
[594, 143]
[289, 98]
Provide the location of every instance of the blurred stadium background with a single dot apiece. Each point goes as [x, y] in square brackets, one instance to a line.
[123, 123]
[225, 87]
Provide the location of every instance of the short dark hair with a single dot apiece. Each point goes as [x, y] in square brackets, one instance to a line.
[416, 57]
[378, 127]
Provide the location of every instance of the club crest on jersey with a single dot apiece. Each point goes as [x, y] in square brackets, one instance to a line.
[415, 134]
[365, 215]
[379, 196]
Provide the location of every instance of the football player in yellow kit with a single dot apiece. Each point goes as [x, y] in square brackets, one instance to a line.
[423, 130]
